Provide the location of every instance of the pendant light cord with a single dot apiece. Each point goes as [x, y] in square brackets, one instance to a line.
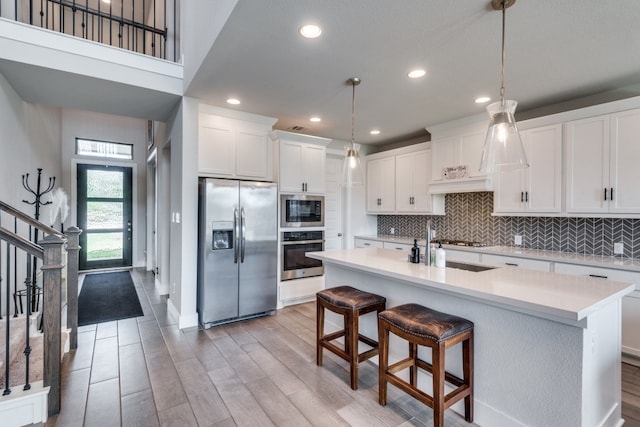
[353, 113]
[504, 14]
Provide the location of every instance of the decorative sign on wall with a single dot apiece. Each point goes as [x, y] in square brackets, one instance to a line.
[455, 172]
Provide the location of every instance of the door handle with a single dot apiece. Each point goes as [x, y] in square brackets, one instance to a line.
[243, 229]
[339, 234]
[236, 233]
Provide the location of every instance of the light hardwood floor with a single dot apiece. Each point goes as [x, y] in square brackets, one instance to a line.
[146, 372]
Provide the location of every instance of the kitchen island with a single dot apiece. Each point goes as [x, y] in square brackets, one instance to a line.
[546, 345]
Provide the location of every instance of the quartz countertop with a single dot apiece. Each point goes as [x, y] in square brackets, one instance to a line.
[559, 297]
[614, 262]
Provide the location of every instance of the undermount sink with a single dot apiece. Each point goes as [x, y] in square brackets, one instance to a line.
[468, 267]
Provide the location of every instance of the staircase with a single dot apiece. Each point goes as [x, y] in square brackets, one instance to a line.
[31, 358]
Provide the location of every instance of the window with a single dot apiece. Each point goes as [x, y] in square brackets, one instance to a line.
[111, 150]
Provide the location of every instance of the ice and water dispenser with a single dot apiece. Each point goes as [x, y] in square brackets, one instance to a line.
[222, 235]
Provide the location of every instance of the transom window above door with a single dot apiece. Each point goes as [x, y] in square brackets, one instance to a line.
[104, 149]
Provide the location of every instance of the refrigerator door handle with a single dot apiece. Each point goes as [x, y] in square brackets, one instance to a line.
[243, 227]
[236, 235]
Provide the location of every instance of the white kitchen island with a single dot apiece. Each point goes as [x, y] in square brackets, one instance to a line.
[547, 346]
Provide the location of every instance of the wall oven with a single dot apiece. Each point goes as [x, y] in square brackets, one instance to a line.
[295, 264]
[301, 210]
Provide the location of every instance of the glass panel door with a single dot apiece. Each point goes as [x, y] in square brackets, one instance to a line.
[104, 215]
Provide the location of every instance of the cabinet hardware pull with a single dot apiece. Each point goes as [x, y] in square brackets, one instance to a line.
[366, 244]
[611, 194]
[511, 264]
[379, 202]
[399, 249]
[598, 276]
[605, 194]
[526, 196]
[302, 186]
[521, 196]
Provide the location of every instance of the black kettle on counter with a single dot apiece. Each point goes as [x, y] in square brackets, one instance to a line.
[415, 252]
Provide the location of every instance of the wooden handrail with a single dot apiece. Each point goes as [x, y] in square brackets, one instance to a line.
[26, 218]
[21, 242]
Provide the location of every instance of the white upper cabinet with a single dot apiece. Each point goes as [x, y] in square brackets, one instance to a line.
[302, 164]
[461, 150]
[398, 182]
[602, 164]
[537, 188]
[413, 175]
[381, 177]
[232, 148]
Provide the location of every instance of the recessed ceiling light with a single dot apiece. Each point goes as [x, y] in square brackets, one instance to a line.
[315, 119]
[310, 31]
[233, 101]
[375, 132]
[482, 100]
[416, 74]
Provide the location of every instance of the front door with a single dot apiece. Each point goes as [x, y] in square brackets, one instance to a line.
[105, 216]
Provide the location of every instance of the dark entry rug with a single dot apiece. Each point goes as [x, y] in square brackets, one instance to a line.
[107, 296]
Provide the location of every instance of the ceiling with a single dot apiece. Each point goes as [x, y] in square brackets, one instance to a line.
[556, 51]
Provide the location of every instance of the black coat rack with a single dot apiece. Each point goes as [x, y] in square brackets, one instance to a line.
[37, 202]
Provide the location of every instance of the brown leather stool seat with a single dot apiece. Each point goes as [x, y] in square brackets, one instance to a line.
[422, 326]
[351, 303]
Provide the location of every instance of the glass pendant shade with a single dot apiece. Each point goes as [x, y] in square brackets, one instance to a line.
[503, 149]
[351, 168]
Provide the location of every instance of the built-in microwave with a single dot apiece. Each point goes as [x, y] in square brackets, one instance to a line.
[301, 210]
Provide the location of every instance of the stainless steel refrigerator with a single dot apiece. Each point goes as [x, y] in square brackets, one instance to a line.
[237, 250]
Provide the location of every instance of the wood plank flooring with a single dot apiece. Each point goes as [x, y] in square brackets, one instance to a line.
[261, 372]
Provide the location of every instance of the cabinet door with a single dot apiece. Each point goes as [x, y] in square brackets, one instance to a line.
[405, 193]
[508, 193]
[381, 185]
[421, 179]
[444, 154]
[625, 157]
[470, 152]
[543, 182]
[253, 154]
[291, 167]
[216, 149]
[587, 160]
[313, 160]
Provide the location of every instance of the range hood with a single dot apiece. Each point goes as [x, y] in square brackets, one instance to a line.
[461, 185]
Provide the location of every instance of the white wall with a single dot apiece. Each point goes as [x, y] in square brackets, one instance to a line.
[103, 127]
[29, 139]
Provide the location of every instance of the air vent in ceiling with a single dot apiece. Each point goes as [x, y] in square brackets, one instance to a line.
[297, 128]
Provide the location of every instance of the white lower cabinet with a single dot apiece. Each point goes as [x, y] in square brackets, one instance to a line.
[366, 243]
[507, 261]
[630, 303]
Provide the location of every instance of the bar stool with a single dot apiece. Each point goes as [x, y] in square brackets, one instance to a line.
[422, 326]
[351, 303]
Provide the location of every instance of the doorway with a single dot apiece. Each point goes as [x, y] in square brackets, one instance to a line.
[105, 216]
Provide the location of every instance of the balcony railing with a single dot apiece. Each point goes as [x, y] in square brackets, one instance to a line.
[143, 26]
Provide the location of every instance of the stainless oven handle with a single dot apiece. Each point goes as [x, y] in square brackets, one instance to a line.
[300, 242]
[243, 220]
[235, 233]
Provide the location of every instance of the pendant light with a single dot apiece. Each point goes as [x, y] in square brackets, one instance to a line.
[351, 169]
[503, 149]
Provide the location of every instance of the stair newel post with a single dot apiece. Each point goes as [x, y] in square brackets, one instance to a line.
[73, 252]
[52, 294]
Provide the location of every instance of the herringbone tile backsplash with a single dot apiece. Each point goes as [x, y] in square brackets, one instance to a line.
[469, 218]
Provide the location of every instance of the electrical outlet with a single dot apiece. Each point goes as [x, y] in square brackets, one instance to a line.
[392, 231]
[518, 240]
[618, 248]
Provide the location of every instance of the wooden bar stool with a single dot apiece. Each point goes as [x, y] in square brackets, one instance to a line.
[422, 326]
[351, 303]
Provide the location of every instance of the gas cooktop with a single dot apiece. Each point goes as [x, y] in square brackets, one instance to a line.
[459, 243]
